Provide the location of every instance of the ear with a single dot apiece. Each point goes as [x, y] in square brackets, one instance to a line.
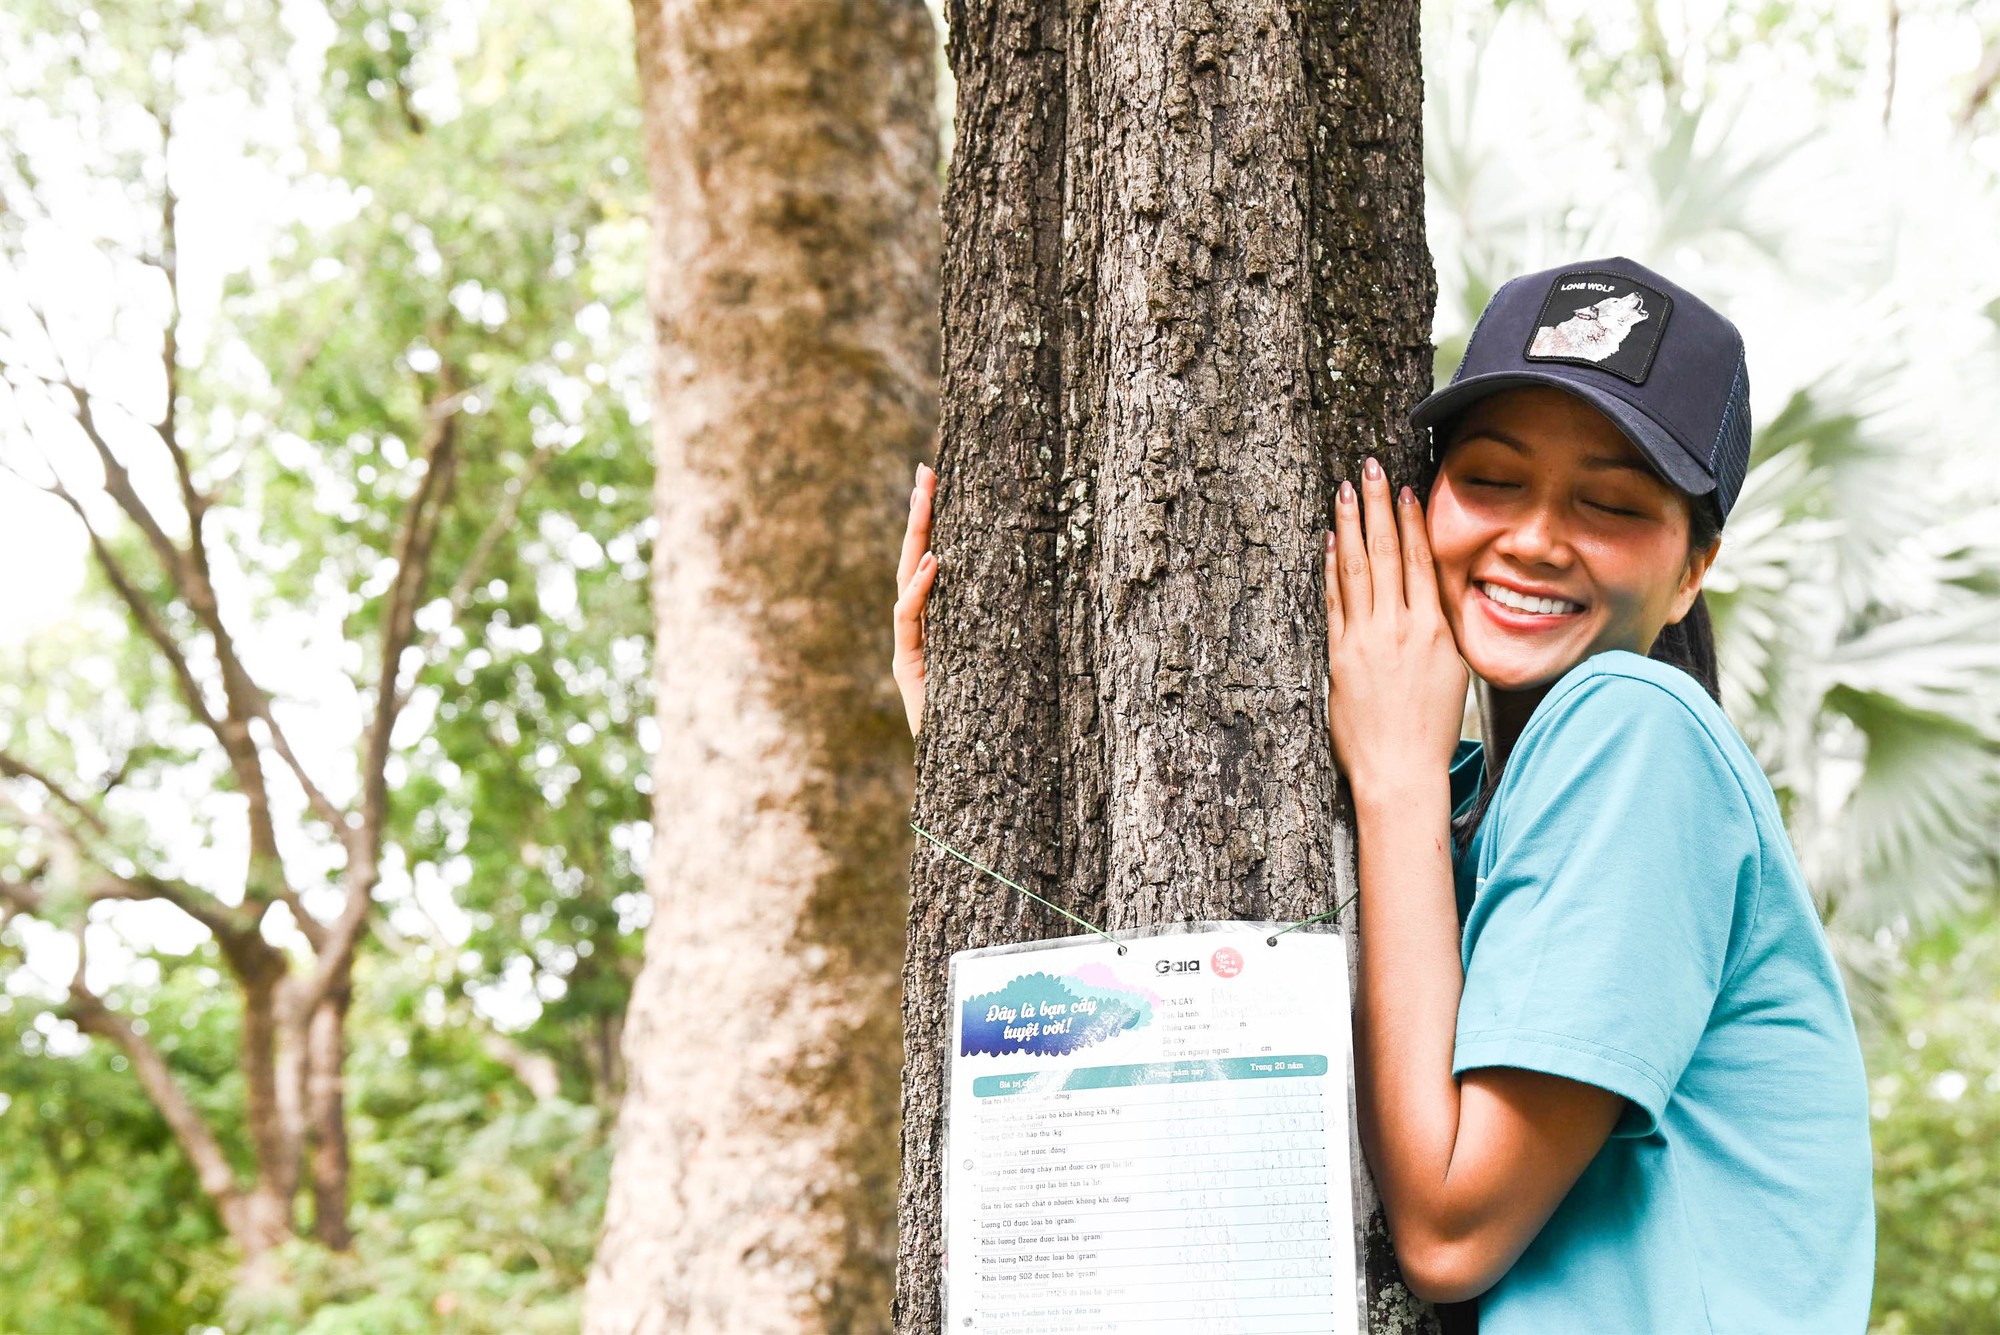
[1691, 578]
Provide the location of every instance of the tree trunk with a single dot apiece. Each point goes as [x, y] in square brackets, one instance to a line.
[792, 146]
[1185, 291]
[326, 1115]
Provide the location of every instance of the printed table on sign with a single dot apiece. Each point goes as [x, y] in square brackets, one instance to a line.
[1152, 1141]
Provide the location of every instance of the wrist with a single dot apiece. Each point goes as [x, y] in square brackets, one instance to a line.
[1401, 789]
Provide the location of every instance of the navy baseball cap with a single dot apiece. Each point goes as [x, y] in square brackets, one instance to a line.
[1660, 362]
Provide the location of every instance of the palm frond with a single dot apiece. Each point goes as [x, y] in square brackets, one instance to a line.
[1940, 667]
[1914, 835]
[1704, 186]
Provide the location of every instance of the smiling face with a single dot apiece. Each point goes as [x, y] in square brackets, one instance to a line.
[1553, 539]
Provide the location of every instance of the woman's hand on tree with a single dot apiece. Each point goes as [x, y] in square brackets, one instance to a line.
[1397, 692]
[914, 574]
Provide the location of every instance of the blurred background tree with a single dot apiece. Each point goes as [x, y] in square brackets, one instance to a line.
[351, 711]
[393, 189]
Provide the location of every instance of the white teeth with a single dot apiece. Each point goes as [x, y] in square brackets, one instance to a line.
[1521, 602]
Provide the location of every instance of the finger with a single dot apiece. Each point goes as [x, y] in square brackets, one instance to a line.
[910, 609]
[1350, 554]
[1420, 589]
[917, 530]
[1335, 619]
[1385, 552]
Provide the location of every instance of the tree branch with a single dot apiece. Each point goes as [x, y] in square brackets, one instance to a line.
[118, 484]
[191, 692]
[1984, 80]
[263, 831]
[234, 930]
[415, 540]
[1895, 48]
[88, 1011]
[188, 571]
[322, 806]
[231, 729]
[536, 1071]
[503, 521]
[142, 612]
[20, 897]
[232, 734]
[168, 261]
[120, 774]
[15, 768]
[416, 534]
[197, 1141]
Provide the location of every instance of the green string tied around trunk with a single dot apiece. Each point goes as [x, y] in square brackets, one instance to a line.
[1271, 940]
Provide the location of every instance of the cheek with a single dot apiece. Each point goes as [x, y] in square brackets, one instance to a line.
[1635, 580]
[1453, 534]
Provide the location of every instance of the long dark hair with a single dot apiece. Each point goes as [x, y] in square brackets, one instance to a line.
[1688, 644]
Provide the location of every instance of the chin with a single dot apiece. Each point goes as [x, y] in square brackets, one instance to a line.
[1509, 673]
[1508, 665]
[1511, 652]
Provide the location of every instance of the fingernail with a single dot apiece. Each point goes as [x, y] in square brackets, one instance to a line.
[1371, 468]
[1408, 495]
[1346, 491]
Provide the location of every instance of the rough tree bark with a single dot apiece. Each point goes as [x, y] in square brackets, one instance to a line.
[1185, 291]
[792, 148]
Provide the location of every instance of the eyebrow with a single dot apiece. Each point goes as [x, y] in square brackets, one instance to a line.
[1596, 461]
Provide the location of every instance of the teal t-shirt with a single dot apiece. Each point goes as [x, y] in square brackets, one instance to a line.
[1634, 917]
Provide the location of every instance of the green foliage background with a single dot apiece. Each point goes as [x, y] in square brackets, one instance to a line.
[1935, 1071]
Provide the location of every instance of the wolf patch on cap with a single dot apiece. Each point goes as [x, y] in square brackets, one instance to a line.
[1604, 319]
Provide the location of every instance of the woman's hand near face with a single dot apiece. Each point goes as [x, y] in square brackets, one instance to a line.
[914, 574]
[1397, 691]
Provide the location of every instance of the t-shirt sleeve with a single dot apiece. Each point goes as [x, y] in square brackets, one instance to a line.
[1596, 943]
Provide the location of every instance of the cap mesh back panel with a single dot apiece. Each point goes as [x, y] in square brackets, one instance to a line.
[1731, 456]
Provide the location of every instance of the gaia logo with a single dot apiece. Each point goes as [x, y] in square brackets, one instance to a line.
[1047, 1016]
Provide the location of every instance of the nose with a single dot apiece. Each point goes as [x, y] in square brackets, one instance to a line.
[1537, 537]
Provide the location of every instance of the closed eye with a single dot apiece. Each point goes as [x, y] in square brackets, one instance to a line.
[1614, 510]
[1489, 482]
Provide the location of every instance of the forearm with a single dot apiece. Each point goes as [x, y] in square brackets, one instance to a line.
[1407, 1007]
[1468, 1171]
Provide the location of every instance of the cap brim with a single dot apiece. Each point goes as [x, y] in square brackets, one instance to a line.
[1667, 456]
